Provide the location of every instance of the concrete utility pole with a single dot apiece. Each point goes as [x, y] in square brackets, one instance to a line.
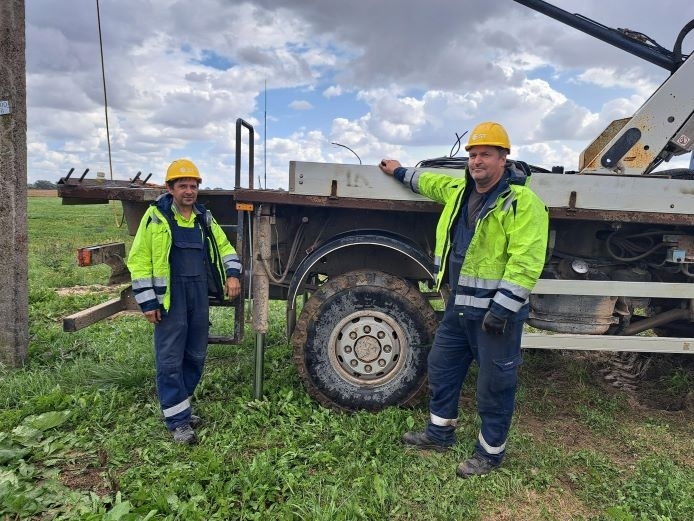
[14, 304]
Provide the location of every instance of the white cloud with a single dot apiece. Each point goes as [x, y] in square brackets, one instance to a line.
[179, 74]
[300, 105]
[631, 79]
[332, 91]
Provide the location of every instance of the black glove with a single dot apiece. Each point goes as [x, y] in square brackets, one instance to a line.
[492, 324]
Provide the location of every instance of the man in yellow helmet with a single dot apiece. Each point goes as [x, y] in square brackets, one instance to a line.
[491, 242]
[179, 258]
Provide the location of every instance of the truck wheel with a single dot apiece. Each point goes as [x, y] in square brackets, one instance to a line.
[362, 342]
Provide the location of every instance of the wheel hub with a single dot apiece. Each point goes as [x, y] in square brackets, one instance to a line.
[366, 347]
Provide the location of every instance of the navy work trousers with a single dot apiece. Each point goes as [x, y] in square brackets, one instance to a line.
[180, 345]
[458, 342]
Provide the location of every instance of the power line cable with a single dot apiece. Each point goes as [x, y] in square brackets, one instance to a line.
[108, 133]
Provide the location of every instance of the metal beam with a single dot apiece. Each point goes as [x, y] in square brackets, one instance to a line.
[643, 344]
[614, 288]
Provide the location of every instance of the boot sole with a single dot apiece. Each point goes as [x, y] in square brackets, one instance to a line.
[437, 448]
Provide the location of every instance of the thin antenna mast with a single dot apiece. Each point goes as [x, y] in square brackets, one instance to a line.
[265, 138]
[103, 79]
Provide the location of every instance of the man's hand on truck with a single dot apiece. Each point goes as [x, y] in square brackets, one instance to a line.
[388, 166]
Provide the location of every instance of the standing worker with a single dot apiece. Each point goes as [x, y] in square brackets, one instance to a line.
[491, 242]
[180, 256]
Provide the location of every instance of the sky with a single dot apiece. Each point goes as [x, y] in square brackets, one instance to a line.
[324, 80]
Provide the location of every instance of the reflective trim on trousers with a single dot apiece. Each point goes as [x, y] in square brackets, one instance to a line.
[179, 407]
[443, 422]
[488, 448]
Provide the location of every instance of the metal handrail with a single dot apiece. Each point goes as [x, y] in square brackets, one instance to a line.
[237, 181]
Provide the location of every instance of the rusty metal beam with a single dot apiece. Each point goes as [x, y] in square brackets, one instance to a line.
[112, 254]
[582, 214]
[74, 191]
[286, 198]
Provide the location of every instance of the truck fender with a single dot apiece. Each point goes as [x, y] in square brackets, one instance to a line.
[349, 239]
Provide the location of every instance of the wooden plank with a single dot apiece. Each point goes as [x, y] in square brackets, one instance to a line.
[89, 316]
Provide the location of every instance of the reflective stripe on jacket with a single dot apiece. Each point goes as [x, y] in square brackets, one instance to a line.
[507, 252]
[148, 260]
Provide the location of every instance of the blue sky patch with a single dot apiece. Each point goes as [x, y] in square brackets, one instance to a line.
[214, 60]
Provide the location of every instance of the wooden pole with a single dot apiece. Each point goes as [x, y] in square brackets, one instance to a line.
[14, 305]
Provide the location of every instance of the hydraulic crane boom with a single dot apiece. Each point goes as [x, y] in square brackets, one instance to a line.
[621, 38]
[662, 127]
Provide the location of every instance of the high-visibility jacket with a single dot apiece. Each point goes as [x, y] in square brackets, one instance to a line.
[148, 260]
[507, 252]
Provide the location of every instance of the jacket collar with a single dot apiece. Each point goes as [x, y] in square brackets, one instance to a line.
[518, 172]
[165, 201]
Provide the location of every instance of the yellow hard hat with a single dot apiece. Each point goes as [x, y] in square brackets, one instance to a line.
[182, 168]
[490, 134]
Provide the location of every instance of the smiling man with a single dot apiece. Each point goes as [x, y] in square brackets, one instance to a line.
[179, 258]
[491, 241]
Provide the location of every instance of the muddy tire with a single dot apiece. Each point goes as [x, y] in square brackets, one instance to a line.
[362, 342]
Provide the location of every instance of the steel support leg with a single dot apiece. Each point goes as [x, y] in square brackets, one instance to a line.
[261, 291]
[259, 365]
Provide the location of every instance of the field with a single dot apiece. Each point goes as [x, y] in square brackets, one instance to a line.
[81, 436]
[36, 192]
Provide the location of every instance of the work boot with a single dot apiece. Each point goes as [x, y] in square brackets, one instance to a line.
[195, 421]
[184, 435]
[477, 465]
[420, 440]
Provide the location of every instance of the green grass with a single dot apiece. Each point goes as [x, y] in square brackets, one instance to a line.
[81, 437]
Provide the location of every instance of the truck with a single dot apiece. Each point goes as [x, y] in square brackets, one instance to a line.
[349, 250]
